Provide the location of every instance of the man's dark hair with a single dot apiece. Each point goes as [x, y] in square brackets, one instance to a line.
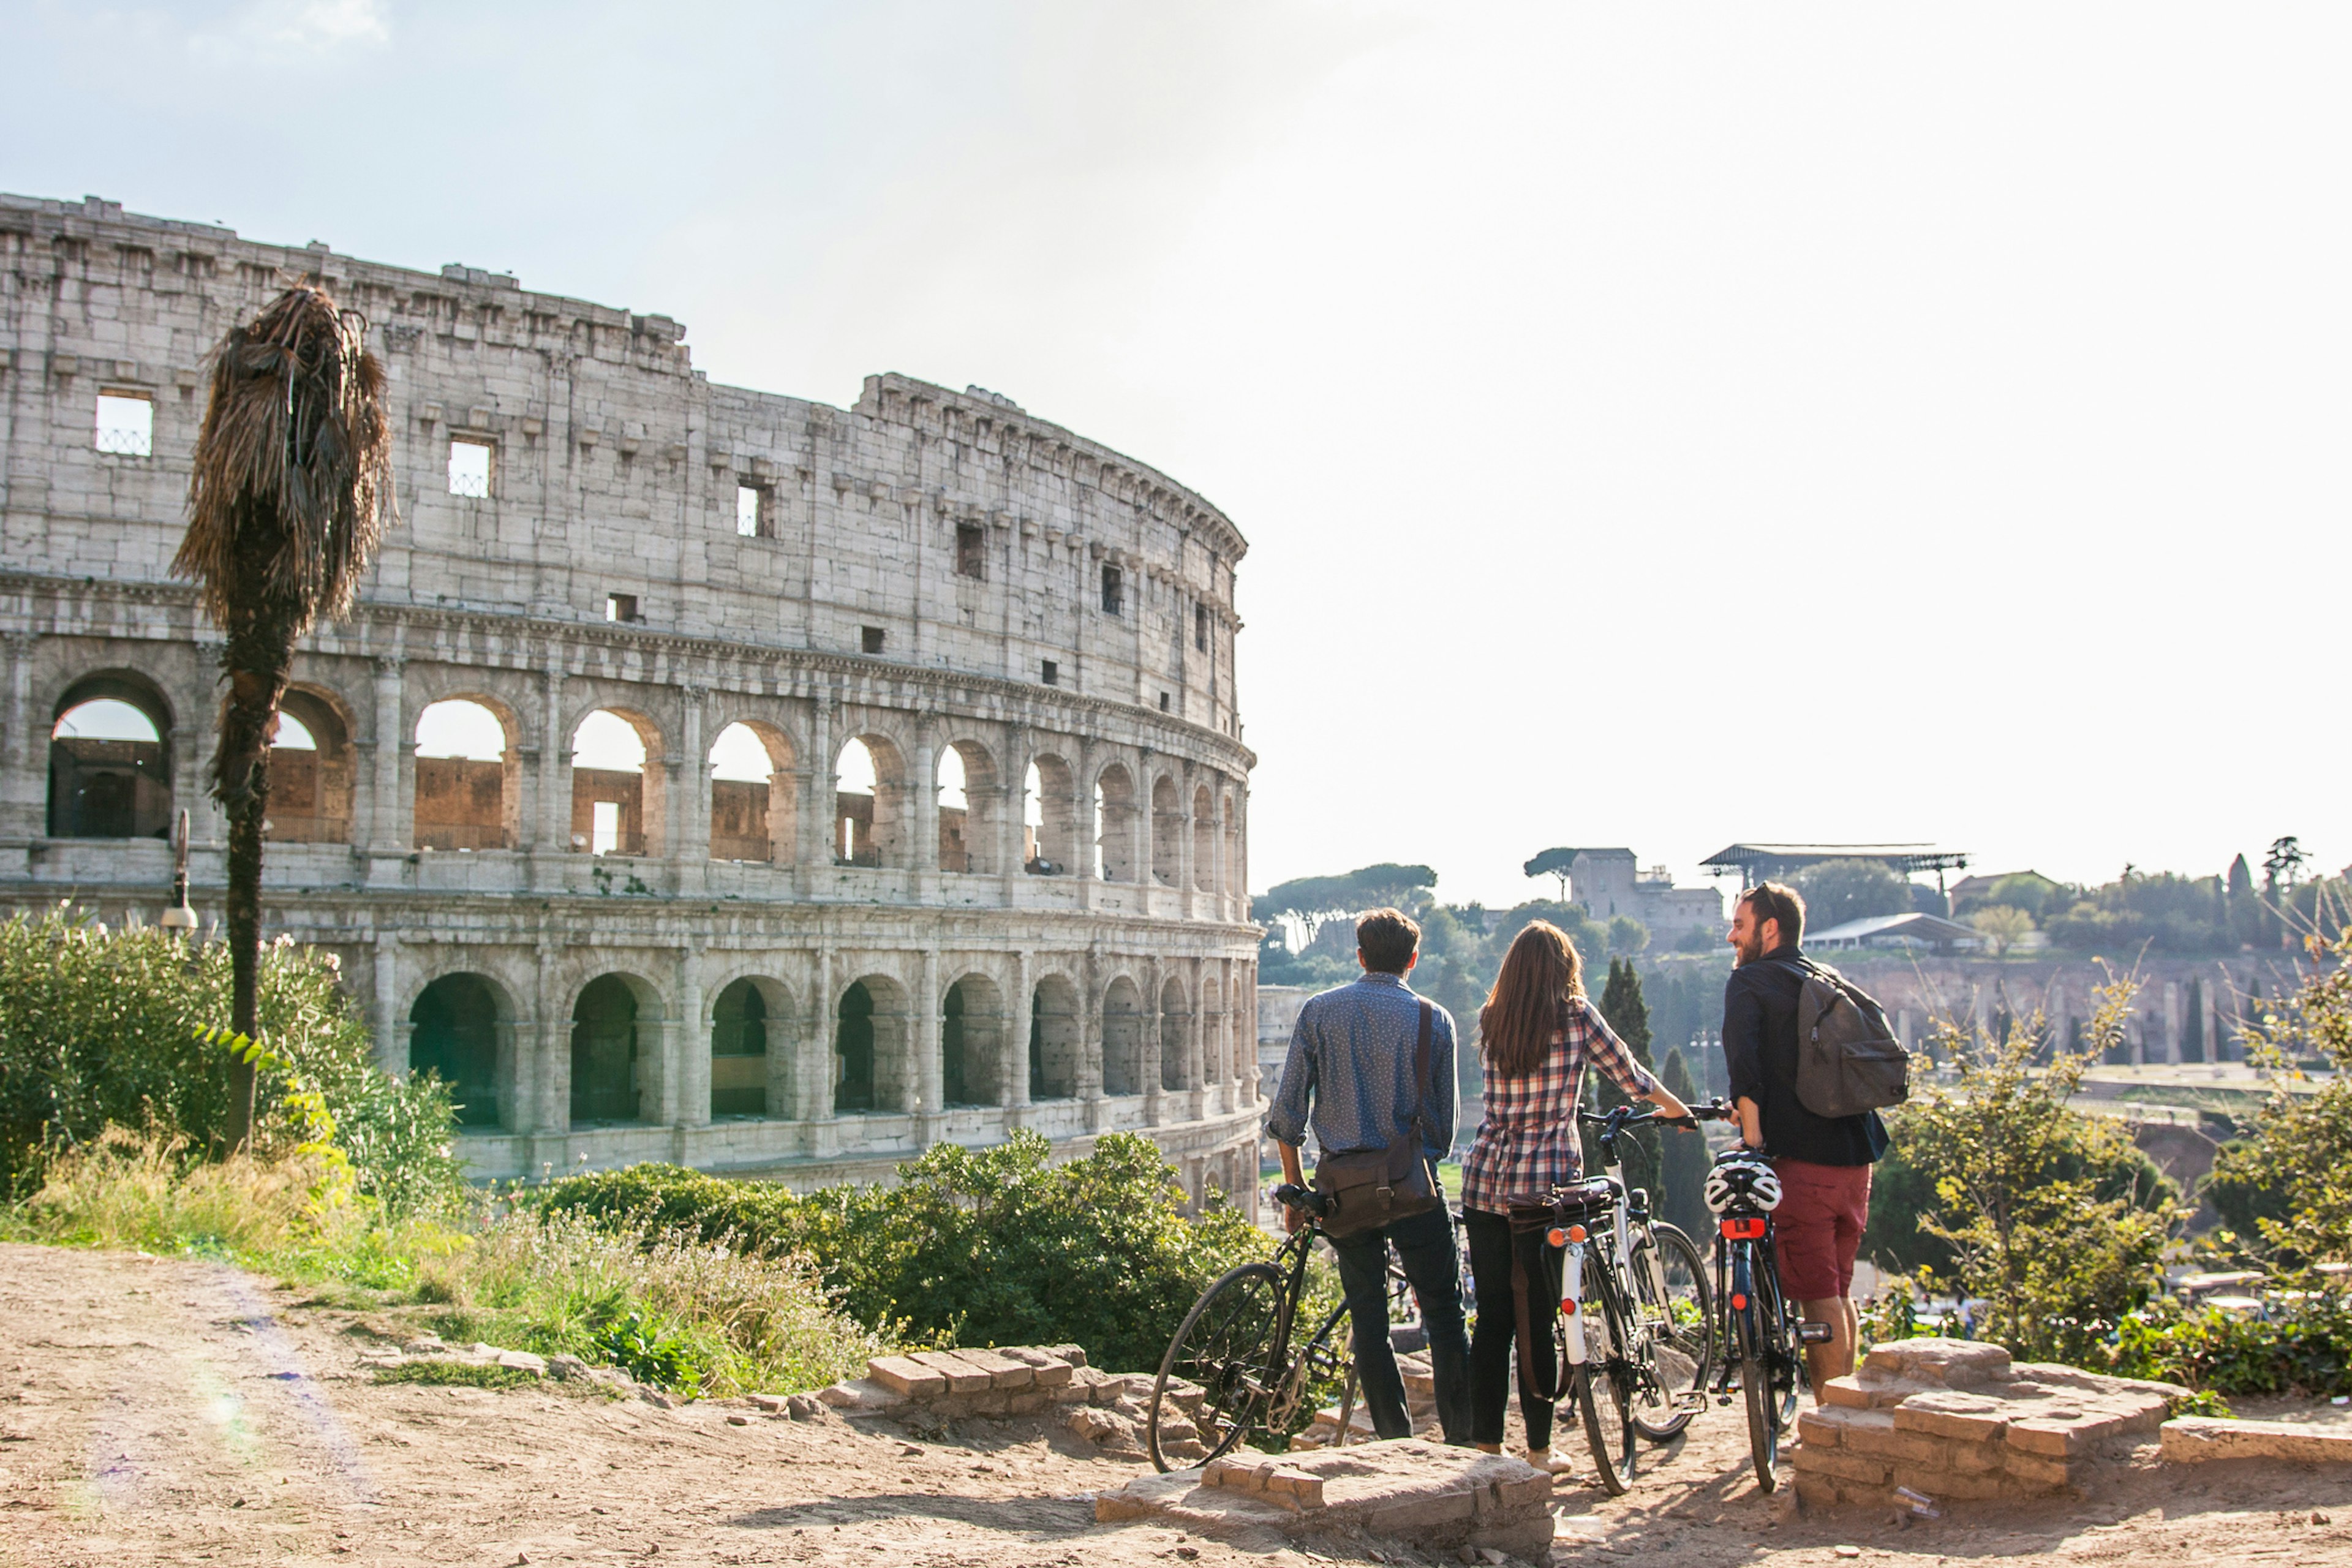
[1387, 940]
[1778, 901]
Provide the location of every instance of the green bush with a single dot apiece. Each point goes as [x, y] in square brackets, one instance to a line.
[2306, 1349]
[97, 1029]
[990, 1247]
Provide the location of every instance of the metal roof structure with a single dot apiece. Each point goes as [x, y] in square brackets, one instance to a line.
[1891, 931]
[1761, 862]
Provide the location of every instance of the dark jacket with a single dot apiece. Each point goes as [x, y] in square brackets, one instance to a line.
[1759, 1048]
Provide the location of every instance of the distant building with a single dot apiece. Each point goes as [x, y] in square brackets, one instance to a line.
[1915, 929]
[1611, 882]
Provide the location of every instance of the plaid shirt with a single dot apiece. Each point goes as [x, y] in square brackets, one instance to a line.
[1528, 1144]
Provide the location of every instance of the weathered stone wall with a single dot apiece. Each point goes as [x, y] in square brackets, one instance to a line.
[925, 570]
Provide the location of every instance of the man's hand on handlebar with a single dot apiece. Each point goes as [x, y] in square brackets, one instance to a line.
[1298, 1205]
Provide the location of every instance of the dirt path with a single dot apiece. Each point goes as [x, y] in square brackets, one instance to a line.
[168, 1411]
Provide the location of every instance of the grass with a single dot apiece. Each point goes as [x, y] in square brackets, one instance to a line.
[456, 1375]
[693, 1316]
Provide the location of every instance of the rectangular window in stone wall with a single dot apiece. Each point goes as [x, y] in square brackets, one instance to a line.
[971, 545]
[1053, 676]
[750, 512]
[620, 607]
[126, 423]
[1114, 594]
[869, 638]
[469, 467]
[1201, 628]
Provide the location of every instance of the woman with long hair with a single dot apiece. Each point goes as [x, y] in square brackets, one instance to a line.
[1539, 1033]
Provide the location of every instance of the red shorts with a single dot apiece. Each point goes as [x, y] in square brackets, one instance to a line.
[1817, 1229]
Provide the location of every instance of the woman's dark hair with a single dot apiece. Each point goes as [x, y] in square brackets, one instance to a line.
[1541, 976]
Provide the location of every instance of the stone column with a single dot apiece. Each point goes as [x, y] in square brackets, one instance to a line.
[2208, 1016]
[921, 848]
[1187, 906]
[1014, 817]
[688, 807]
[554, 837]
[1090, 1040]
[1196, 1076]
[691, 1055]
[1016, 1054]
[1082, 830]
[1139, 852]
[2054, 1012]
[24, 792]
[1154, 1108]
[547, 1081]
[2172, 1020]
[818, 827]
[1217, 873]
[924, 1040]
[1246, 1002]
[384, 816]
[392, 1031]
[786, 788]
[814, 1107]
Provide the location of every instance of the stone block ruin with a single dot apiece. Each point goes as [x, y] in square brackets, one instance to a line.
[1954, 1419]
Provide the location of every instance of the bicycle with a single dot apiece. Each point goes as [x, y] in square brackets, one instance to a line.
[1234, 1347]
[1636, 1330]
[1759, 1335]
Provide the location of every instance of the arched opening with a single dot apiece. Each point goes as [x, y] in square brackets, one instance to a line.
[605, 1087]
[955, 812]
[109, 762]
[1167, 831]
[968, 803]
[1114, 834]
[312, 770]
[1049, 818]
[454, 1034]
[609, 784]
[1056, 1041]
[1175, 1024]
[751, 794]
[463, 801]
[1122, 1045]
[1204, 843]
[852, 1048]
[739, 1051]
[971, 1044]
[869, 804]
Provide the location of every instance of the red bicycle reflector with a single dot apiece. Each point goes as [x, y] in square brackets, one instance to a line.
[1567, 1308]
[1555, 1236]
[1739, 1301]
[1745, 1227]
[1576, 1232]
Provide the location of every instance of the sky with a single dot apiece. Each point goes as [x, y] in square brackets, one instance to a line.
[1657, 425]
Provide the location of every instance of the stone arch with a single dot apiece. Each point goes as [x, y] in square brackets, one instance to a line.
[1175, 1029]
[873, 1064]
[110, 759]
[972, 1043]
[461, 1027]
[1122, 1038]
[1205, 840]
[750, 1038]
[310, 786]
[1115, 808]
[971, 834]
[870, 824]
[1057, 1038]
[1051, 843]
[1167, 831]
[616, 1022]
[465, 800]
[616, 783]
[753, 818]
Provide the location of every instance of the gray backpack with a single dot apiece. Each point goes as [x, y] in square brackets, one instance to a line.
[1848, 1059]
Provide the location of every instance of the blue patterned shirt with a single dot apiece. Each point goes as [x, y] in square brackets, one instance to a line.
[1350, 1071]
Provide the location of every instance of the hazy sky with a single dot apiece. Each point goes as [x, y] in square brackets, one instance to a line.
[1654, 424]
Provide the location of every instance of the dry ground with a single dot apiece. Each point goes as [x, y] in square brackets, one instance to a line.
[169, 1411]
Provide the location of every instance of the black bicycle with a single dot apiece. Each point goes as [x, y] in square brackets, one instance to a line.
[1763, 1340]
[1234, 1349]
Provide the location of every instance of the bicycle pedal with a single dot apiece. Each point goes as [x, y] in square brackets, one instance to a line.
[1723, 1399]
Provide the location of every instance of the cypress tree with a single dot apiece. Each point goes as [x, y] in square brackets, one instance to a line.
[1629, 1016]
[1682, 1161]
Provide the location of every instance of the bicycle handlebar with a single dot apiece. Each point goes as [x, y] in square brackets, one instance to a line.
[1291, 1195]
[1624, 1116]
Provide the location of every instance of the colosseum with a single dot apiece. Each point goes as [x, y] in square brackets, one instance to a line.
[705, 775]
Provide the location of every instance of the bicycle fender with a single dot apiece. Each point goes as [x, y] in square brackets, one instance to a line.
[1571, 1303]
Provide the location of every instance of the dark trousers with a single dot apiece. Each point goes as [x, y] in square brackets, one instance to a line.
[1491, 1353]
[1424, 1244]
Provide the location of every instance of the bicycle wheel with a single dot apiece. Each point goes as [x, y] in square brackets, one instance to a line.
[1790, 1380]
[1600, 1384]
[1674, 1307]
[1229, 1347]
[1325, 1370]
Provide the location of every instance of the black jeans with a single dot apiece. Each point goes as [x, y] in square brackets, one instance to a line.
[1424, 1244]
[1491, 1356]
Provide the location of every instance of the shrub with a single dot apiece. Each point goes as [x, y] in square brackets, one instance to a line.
[97, 1029]
[2305, 1349]
[973, 1246]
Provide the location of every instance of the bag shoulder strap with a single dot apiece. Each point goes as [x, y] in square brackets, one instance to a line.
[1422, 1084]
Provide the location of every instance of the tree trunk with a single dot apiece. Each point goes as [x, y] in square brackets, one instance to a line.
[259, 659]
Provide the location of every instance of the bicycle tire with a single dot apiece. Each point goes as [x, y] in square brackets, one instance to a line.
[1330, 1353]
[1682, 1343]
[1763, 1431]
[1789, 1355]
[1599, 1383]
[1230, 1346]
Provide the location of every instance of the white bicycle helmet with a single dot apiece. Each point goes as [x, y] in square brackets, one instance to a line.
[1742, 1180]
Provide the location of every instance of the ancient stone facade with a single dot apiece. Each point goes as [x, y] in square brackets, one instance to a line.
[1020, 904]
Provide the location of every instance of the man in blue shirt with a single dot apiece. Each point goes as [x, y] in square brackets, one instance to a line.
[1351, 1075]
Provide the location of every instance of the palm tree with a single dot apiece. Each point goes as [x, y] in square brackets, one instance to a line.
[292, 491]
